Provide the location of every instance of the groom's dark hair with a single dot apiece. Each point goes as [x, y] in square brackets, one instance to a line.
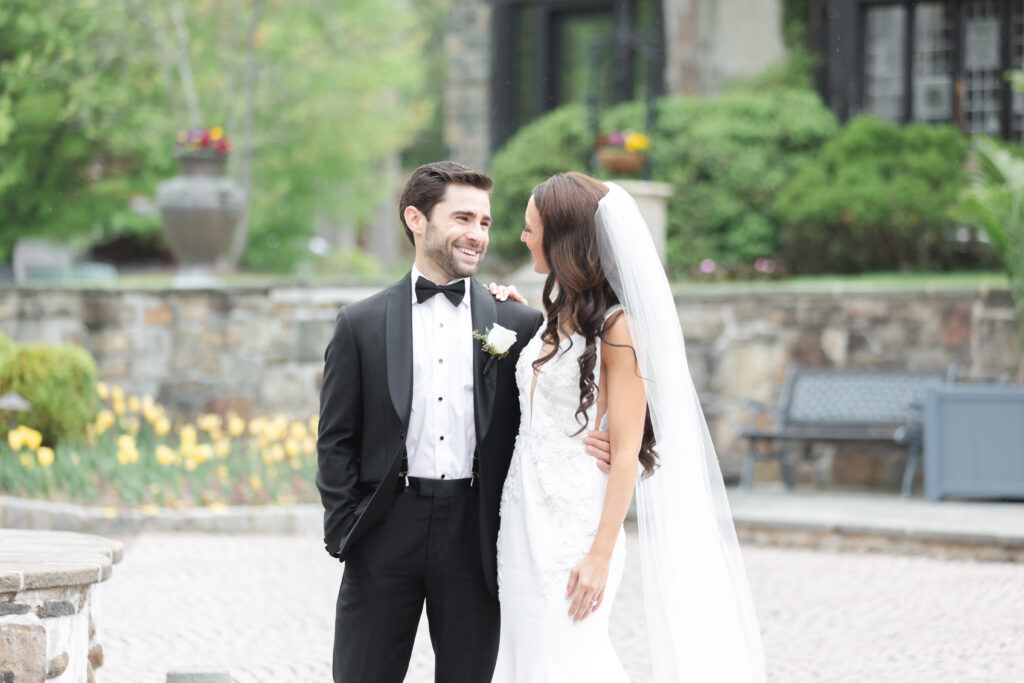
[428, 183]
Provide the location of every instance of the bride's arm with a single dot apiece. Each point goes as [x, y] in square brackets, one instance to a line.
[627, 407]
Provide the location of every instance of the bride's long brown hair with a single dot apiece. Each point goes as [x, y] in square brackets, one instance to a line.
[567, 204]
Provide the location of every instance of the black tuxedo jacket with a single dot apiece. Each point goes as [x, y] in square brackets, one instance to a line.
[365, 403]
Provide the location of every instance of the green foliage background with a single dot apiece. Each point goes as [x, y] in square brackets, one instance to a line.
[876, 197]
[313, 93]
[726, 158]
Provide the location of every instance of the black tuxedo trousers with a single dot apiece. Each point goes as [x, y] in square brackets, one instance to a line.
[401, 547]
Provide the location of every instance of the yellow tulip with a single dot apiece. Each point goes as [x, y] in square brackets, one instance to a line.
[33, 439]
[103, 390]
[150, 510]
[127, 451]
[104, 421]
[258, 425]
[134, 405]
[162, 426]
[154, 489]
[118, 406]
[222, 447]
[26, 461]
[217, 506]
[295, 463]
[16, 439]
[165, 455]
[117, 393]
[188, 435]
[236, 426]
[204, 452]
[298, 430]
[190, 464]
[293, 448]
[223, 475]
[216, 133]
[309, 446]
[314, 424]
[45, 456]
[255, 482]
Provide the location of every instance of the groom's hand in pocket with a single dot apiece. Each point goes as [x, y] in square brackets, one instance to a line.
[599, 446]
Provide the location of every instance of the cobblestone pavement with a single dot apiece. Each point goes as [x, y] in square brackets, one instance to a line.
[263, 607]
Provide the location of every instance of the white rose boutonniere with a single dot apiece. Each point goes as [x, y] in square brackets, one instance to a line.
[497, 340]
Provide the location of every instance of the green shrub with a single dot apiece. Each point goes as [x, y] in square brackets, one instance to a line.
[59, 382]
[876, 198]
[552, 144]
[726, 157]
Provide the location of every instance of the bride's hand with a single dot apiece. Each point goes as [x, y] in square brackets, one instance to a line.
[586, 586]
[503, 292]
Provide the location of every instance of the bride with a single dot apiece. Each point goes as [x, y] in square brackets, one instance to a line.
[611, 353]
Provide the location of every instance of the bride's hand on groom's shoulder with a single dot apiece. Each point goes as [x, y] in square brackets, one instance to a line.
[586, 586]
[600, 446]
[503, 292]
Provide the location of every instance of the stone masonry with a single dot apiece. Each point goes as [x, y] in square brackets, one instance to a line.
[48, 604]
[259, 350]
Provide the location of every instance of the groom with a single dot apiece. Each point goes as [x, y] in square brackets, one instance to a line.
[417, 427]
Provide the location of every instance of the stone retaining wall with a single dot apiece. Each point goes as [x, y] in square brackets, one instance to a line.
[260, 350]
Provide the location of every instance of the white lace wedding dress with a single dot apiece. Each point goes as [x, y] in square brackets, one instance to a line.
[550, 509]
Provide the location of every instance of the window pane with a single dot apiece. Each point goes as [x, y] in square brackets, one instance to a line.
[933, 63]
[1017, 60]
[884, 84]
[579, 72]
[983, 77]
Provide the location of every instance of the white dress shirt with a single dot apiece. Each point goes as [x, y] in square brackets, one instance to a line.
[442, 432]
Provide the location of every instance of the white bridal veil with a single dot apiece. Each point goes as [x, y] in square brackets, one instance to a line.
[700, 615]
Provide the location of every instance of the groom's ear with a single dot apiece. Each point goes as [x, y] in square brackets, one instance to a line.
[415, 220]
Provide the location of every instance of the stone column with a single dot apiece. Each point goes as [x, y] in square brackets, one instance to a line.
[47, 604]
[467, 96]
[652, 199]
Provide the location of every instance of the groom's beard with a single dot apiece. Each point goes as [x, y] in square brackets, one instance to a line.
[444, 255]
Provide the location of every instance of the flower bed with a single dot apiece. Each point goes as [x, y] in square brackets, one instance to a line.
[134, 454]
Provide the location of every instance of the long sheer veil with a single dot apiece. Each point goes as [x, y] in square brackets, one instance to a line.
[700, 615]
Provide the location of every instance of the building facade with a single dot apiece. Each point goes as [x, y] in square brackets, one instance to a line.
[511, 61]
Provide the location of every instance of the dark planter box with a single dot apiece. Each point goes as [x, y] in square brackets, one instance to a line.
[974, 442]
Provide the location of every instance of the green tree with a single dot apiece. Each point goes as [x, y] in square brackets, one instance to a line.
[92, 92]
[994, 203]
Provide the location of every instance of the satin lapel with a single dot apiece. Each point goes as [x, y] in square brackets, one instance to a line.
[485, 314]
[398, 343]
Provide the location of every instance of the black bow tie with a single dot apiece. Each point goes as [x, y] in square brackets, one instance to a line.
[425, 289]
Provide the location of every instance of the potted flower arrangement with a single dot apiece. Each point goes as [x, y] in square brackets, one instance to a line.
[200, 208]
[622, 152]
[203, 151]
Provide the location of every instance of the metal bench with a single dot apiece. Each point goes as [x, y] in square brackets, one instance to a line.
[843, 404]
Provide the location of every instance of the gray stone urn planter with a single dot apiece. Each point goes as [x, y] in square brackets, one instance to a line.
[201, 209]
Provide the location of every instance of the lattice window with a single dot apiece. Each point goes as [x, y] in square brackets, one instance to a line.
[1017, 60]
[884, 84]
[983, 75]
[933, 62]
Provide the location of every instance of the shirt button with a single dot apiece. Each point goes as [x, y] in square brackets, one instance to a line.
[442, 324]
[442, 476]
[442, 438]
[440, 398]
[440, 360]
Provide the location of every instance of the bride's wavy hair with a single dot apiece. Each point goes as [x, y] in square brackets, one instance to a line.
[567, 204]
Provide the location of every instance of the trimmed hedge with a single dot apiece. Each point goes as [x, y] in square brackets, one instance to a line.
[60, 384]
[876, 198]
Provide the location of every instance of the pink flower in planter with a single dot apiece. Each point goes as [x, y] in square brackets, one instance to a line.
[708, 266]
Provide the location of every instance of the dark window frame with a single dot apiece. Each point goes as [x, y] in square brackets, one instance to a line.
[506, 33]
[841, 75]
